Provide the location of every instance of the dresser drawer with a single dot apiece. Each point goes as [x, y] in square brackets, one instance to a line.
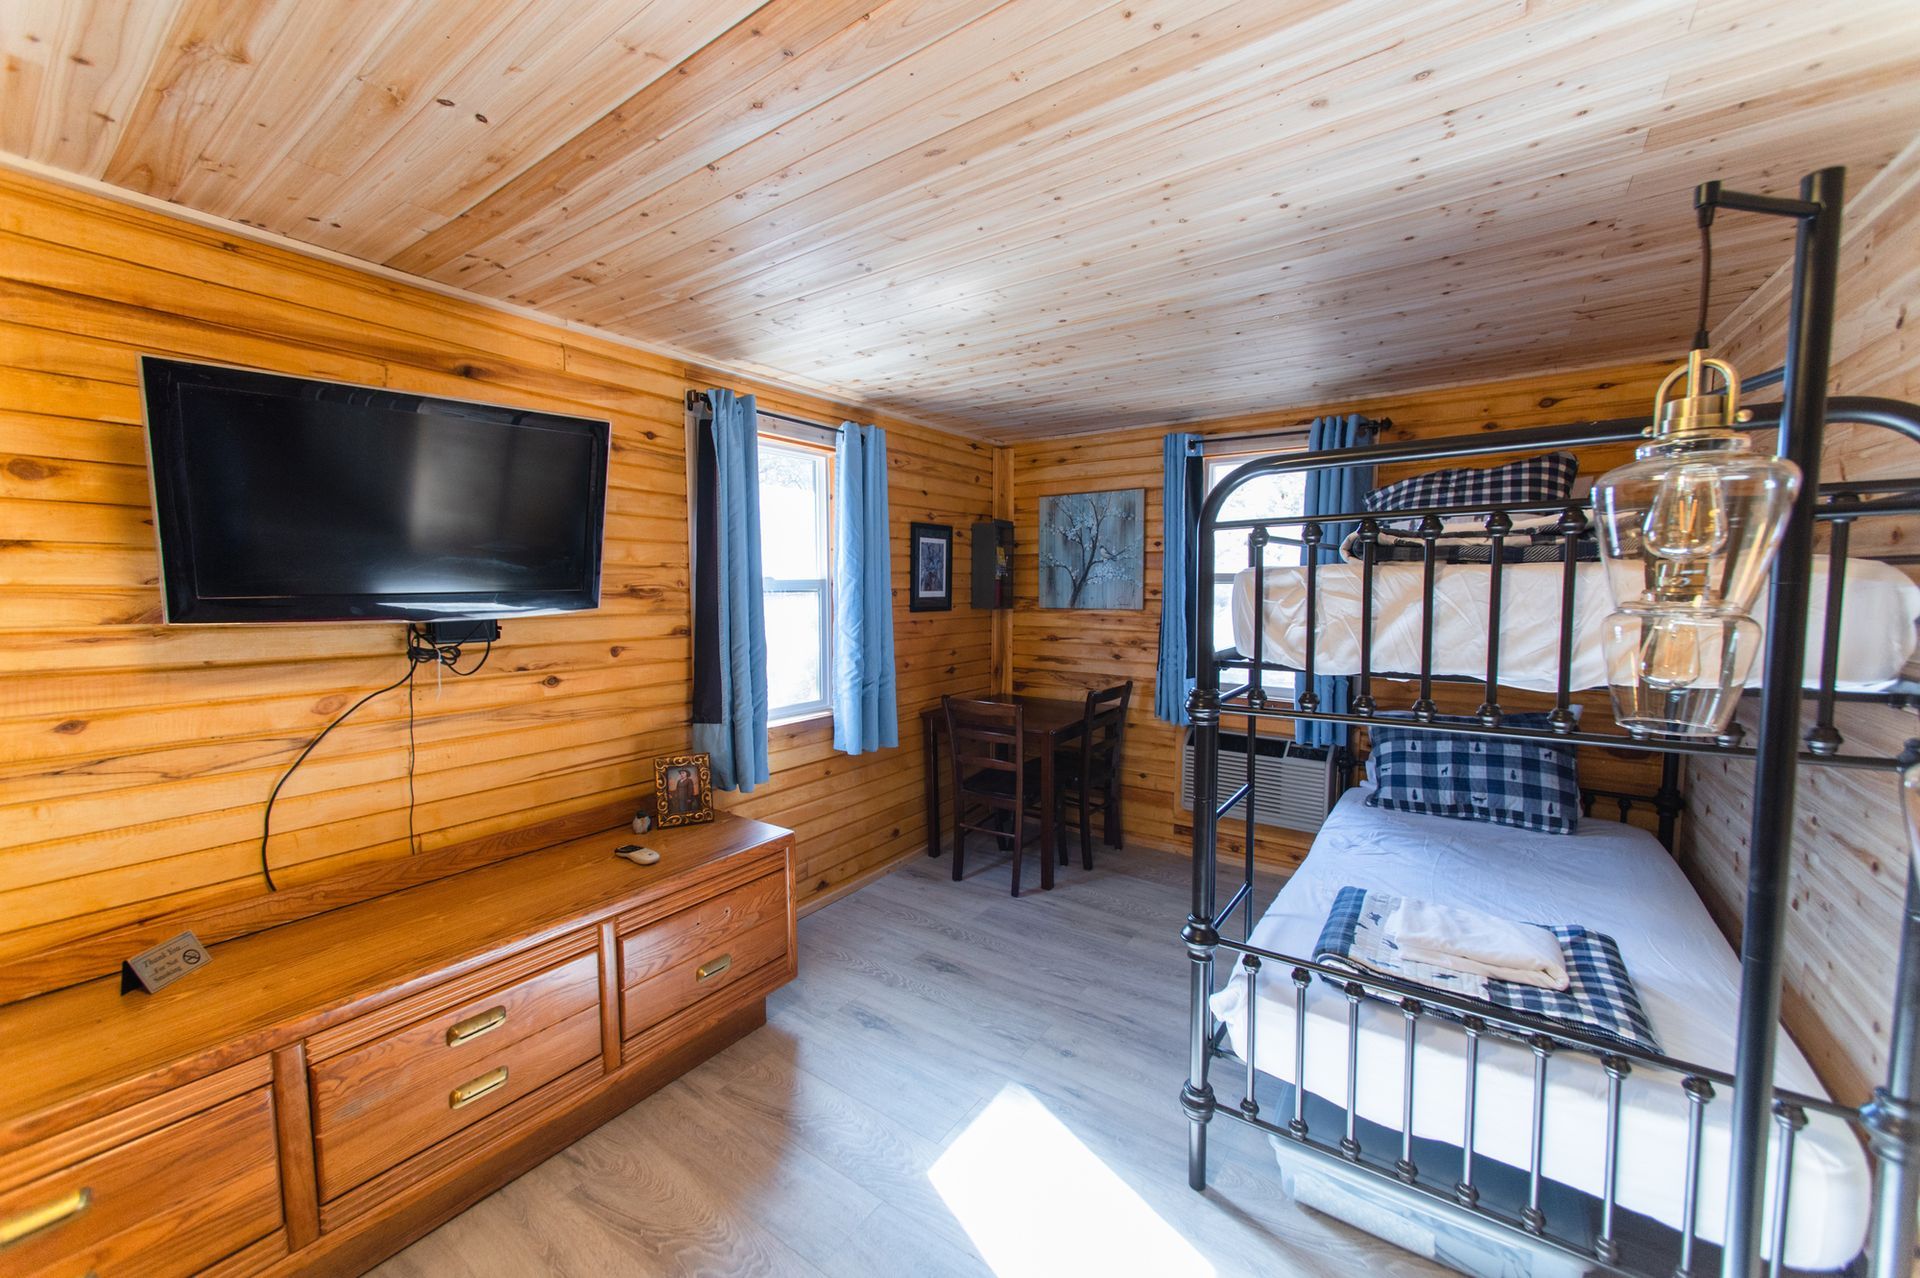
[380, 1102]
[171, 1202]
[671, 964]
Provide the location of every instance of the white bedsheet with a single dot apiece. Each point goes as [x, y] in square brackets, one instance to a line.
[1877, 620]
[1609, 876]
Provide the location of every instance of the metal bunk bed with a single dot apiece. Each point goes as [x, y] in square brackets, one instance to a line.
[1889, 1125]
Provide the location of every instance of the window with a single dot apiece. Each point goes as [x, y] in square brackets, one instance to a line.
[793, 564]
[1267, 496]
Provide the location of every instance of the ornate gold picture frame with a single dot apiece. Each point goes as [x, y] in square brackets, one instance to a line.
[682, 789]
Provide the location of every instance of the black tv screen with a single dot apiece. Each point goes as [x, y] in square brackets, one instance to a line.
[283, 499]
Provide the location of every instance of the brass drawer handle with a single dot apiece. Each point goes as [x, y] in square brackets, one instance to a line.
[58, 1212]
[474, 1026]
[714, 968]
[467, 1093]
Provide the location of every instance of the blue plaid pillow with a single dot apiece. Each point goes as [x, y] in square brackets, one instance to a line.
[1546, 478]
[1530, 784]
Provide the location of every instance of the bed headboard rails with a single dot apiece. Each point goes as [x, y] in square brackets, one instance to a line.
[1833, 506]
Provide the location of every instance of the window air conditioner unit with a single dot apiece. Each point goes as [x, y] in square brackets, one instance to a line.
[1290, 790]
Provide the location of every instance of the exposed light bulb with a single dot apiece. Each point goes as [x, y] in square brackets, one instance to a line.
[1677, 672]
[1687, 519]
[1669, 654]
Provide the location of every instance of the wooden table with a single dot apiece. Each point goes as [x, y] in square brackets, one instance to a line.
[1048, 724]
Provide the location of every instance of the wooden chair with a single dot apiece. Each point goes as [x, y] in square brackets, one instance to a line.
[988, 747]
[1087, 772]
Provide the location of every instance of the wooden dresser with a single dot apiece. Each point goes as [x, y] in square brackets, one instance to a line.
[323, 1093]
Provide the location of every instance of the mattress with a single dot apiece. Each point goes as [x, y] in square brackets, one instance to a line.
[1609, 876]
[1877, 620]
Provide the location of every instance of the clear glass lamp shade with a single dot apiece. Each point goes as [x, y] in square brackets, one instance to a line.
[1697, 517]
[1688, 530]
[1679, 673]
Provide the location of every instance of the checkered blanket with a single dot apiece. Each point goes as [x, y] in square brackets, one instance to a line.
[1600, 998]
[1546, 478]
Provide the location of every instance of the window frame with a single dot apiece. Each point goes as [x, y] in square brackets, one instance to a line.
[788, 441]
[1213, 468]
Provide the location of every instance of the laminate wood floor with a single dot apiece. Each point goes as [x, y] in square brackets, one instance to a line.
[959, 1083]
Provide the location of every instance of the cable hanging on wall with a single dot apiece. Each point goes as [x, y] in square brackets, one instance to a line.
[420, 651]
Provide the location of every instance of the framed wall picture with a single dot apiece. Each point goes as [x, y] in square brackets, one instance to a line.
[932, 581]
[1093, 549]
[682, 789]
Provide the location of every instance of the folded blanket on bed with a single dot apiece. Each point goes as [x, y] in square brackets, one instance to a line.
[1463, 940]
[1599, 998]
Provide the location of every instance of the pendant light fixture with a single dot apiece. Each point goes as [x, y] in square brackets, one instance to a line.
[1687, 530]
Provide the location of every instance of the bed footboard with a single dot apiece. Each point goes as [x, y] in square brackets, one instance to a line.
[1350, 1162]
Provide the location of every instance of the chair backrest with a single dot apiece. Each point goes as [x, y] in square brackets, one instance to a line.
[1103, 730]
[985, 737]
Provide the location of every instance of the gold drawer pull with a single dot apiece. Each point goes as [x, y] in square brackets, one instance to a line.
[467, 1093]
[58, 1212]
[714, 968]
[474, 1026]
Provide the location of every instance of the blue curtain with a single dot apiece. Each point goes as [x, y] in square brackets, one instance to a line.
[1180, 594]
[1328, 491]
[737, 736]
[864, 690]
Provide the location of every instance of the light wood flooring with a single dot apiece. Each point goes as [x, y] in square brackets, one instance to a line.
[959, 1083]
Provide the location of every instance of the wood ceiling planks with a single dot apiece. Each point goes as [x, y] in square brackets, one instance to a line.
[73, 73]
[1016, 217]
[725, 94]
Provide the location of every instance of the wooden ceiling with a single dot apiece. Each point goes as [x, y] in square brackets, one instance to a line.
[1017, 218]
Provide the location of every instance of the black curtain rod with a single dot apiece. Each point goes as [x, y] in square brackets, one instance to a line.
[800, 421]
[1241, 443]
[698, 399]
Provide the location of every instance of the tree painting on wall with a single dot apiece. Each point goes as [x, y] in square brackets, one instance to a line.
[1093, 549]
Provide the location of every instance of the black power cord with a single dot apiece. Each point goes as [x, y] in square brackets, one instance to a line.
[426, 652]
[421, 651]
[1704, 215]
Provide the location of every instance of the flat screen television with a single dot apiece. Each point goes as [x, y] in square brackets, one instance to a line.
[284, 499]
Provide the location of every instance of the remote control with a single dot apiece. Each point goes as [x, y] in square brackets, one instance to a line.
[637, 854]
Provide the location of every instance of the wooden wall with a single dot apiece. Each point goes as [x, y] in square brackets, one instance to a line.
[1060, 653]
[135, 758]
[1849, 857]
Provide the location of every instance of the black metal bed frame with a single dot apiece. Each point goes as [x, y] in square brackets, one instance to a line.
[1890, 1123]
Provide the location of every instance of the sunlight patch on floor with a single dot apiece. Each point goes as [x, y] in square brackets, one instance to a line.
[1036, 1201]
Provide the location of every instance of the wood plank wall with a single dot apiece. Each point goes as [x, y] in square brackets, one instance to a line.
[135, 758]
[1061, 653]
[1849, 858]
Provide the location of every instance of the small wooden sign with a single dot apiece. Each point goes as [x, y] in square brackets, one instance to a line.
[155, 969]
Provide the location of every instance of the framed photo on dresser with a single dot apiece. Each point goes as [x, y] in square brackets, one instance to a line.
[682, 789]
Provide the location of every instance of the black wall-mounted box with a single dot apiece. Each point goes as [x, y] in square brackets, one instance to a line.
[993, 564]
[463, 632]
